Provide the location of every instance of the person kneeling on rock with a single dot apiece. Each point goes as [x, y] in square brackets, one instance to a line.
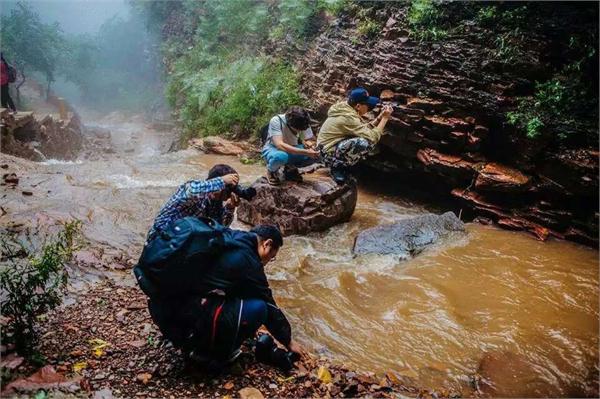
[233, 301]
[283, 151]
[215, 198]
[344, 138]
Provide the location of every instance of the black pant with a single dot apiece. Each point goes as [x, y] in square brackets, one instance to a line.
[7, 102]
[212, 327]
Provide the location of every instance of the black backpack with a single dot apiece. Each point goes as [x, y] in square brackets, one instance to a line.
[264, 131]
[172, 264]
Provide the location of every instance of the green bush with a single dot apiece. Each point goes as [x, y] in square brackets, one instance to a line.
[233, 99]
[551, 103]
[32, 285]
[369, 28]
[425, 19]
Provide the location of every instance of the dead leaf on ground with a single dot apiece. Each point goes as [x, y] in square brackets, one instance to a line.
[77, 367]
[144, 377]
[324, 375]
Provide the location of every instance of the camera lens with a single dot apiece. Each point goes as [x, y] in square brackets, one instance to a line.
[246, 193]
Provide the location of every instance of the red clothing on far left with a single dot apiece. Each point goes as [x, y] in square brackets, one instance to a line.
[3, 73]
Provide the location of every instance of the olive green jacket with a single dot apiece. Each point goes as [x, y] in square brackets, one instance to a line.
[343, 122]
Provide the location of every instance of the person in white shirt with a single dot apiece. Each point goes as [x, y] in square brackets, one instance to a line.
[290, 143]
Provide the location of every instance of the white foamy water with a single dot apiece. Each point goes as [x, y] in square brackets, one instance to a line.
[60, 162]
[124, 181]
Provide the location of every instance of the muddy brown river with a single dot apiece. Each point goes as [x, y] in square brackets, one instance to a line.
[495, 304]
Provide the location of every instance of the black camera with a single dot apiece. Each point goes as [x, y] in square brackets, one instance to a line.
[246, 193]
[267, 352]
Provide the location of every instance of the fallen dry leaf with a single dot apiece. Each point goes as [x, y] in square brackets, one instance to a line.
[324, 375]
[144, 377]
[228, 385]
[77, 367]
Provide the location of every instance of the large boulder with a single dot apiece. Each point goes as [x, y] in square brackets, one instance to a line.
[407, 237]
[299, 208]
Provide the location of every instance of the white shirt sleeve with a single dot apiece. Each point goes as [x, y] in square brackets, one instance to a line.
[275, 127]
[308, 134]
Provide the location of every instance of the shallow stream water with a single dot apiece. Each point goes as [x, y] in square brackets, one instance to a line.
[521, 313]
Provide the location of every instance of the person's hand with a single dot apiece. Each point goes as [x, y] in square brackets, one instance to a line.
[387, 110]
[233, 201]
[309, 152]
[297, 348]
[231, 179]
[310, 144]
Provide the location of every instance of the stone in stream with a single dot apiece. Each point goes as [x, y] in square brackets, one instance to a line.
[407, 237]
[511, 375]
[300, 208]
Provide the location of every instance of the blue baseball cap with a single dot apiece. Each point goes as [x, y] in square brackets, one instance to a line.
[360, 95]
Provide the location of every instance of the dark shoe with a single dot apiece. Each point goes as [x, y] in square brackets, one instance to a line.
[292, 174]
[273, 178]
[340, 176]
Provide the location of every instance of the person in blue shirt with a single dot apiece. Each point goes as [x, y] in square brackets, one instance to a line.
[212, 198]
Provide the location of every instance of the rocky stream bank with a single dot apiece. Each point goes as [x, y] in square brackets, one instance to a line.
[449, 133]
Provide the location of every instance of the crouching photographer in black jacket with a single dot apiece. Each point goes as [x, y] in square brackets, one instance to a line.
[231, 300]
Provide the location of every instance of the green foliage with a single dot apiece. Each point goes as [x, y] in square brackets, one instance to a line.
[508, 46]
[426, 20]
[235, 98]
[553, 101]
[300, 18]
[369, 28]
[30, 44]
[34, 285]
[233, 23]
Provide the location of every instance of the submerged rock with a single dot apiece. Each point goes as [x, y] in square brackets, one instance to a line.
[299, 208]
[510, 375]
[407, 237]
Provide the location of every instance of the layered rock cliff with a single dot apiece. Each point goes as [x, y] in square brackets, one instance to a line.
[448, 132]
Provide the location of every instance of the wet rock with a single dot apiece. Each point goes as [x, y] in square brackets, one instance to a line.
[407, 237]
[47, 379]
[105, 393]
[300, 208]
[220, 145]
[446, 164]
[38, 139]
[496, 177]
[11, 362]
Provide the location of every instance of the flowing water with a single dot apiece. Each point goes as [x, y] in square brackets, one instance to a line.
[521, 313]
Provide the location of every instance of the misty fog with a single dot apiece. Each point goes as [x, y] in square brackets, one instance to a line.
[98, 55]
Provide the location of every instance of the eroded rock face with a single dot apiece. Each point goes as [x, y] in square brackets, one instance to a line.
[448, 133]
[407, 237]
[300, 208]
[25, 136]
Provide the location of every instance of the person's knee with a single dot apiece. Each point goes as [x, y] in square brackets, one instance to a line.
[277, 159]
[254, 312]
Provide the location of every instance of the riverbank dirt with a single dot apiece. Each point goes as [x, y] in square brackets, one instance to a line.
[105, 344]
